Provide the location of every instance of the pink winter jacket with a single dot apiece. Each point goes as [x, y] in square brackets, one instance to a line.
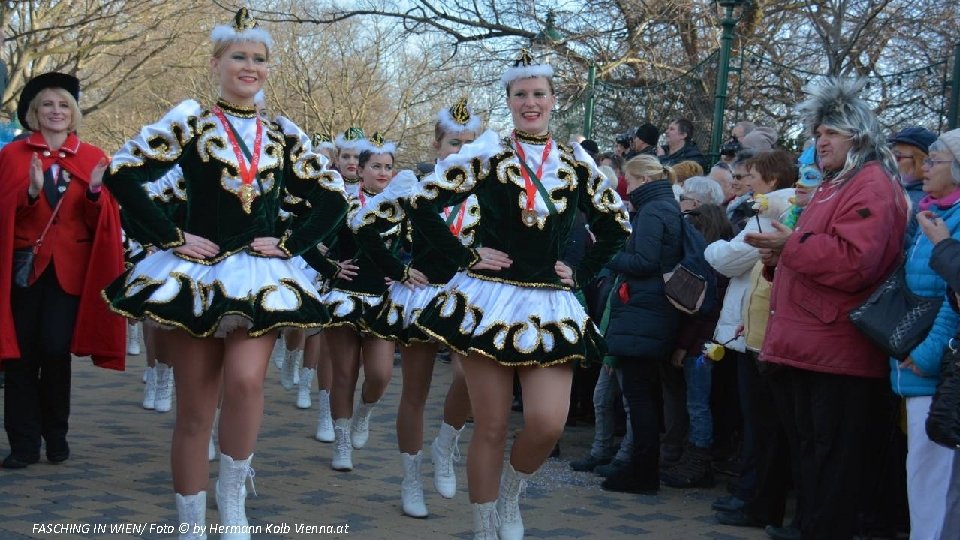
[846, 243]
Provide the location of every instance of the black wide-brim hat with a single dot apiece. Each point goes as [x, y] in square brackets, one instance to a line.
[40, 83]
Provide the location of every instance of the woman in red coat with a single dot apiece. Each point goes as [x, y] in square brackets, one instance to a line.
[50, 187]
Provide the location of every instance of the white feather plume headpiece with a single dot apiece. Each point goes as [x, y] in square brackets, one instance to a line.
[322, 140]
[352, 139]
[377, 145]
[524, 68]
[244, 28]
[459, 118]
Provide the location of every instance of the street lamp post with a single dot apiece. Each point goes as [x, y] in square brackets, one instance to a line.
[544, 40]
[728, 22]
[591, 101]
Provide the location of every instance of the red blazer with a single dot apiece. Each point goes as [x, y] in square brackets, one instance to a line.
[83, 244]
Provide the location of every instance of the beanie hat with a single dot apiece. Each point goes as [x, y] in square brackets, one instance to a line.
[761, 139]
[648, 133]
[915, 136]
[952, 140]
[590, 146]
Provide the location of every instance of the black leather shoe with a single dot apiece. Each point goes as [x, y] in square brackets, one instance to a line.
[728, 504]
[625, 483]
[782, 533]
[58, 457]
[588, 463]
[738, 518]
[15, 462]
[611, 469]
[58, 453]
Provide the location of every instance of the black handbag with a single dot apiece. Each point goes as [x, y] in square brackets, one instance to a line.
[943, 422]
[895, 318]
[23, 257]
[22, 266]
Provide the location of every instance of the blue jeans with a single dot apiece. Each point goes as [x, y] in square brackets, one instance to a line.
[699, 374]
[604, 397]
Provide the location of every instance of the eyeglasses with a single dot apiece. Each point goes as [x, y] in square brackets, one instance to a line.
[689, 198]
[930, 162]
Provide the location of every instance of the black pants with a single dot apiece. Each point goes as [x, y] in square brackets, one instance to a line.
[776, 445]
[750, 394]
[36, 399]
[642, 391]
[725, 404]
[831, 419]
[675, 417]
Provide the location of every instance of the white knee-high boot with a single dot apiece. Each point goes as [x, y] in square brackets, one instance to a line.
[360, 429]
[305, 385]
[150, 390]
[165, 383]
[508, 503]
[192, 512]
[324, 419]
[444, 453]
[411, 489]
[485, 521]
[342, 449]
[232, 493]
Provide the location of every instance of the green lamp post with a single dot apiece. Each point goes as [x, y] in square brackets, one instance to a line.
[732, 10]
[544, 40]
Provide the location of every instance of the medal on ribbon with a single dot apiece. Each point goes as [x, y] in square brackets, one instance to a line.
[529, 215]
[247, 192]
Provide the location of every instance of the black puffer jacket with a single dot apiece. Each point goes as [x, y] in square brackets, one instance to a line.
[688, 152]
[646, 324]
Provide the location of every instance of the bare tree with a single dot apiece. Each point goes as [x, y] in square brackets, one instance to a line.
[116, 47]
[655, 57]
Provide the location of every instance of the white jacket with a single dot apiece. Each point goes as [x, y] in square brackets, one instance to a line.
[735, 259]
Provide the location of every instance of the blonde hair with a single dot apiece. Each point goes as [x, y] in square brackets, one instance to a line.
[649, 166]
[33, 121]
[685, 170]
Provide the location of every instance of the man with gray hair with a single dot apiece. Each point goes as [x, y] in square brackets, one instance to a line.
[850, 240]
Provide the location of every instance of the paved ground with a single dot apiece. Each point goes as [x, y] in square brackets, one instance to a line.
[118, 474]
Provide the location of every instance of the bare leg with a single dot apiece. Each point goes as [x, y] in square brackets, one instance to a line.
[345, 345]
[244, 368]
[314, 349]
[491, 391]
[456, 407]
[417, 368]
[151, 343]
[546, 401]
[324, 364]
[294, 338]
[197, 374]
[377, 368]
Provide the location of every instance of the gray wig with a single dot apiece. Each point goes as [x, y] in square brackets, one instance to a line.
[836, 103]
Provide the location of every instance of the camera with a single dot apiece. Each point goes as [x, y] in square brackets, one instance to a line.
[730, 148]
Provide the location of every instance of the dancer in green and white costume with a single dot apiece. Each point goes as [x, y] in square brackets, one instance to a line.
[404, 300]
[514, 310]
[224, 280]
